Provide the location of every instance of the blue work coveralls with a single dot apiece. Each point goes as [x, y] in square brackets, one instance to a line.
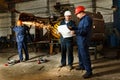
[83, 33]
[21, 39]
[67, 45]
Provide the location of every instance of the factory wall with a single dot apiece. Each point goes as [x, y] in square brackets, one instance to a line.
[40, 8]
[44, 8]
[36, 7]
[5, 24]
[102, 6]
[86, 3]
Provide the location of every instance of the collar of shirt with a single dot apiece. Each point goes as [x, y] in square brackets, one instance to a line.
[66, 22]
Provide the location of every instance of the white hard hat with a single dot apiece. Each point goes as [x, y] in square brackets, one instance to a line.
[67, 13]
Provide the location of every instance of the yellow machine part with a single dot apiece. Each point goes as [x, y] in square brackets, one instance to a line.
[54, 31]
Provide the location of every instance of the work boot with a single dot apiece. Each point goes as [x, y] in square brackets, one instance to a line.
[87, 75]
[70, 67]
[26, 59]
[80, 68]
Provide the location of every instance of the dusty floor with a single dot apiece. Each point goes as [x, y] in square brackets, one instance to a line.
[103, 68]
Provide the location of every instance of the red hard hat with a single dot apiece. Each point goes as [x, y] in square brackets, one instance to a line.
[78, 9]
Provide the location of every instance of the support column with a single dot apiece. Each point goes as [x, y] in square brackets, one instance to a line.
[116, 15]
[94, 5]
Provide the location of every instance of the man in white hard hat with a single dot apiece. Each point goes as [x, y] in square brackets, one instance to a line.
[67, 42]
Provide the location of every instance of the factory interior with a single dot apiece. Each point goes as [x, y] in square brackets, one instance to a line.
[43, 40]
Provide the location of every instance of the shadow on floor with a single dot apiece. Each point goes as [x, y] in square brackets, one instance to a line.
[113, 71]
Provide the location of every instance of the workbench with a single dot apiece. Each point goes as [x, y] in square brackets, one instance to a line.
[36, 45]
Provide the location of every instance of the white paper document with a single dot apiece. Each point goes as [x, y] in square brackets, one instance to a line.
[65, 31]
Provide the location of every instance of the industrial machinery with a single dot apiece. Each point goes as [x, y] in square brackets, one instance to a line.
[50, 24]
[42, 24]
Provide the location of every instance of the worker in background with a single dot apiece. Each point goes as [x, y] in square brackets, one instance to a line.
[21, 39]
[67, 43]
[83, 32]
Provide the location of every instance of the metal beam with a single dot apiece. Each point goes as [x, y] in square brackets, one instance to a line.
[94, 5]
[17, 1]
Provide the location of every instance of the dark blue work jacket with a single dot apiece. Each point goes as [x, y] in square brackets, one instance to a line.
[83, 31]
[70, 24]
[20, 33]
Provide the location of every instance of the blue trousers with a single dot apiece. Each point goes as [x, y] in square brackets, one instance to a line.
[67, 49]
[22, 45]
[83, 55]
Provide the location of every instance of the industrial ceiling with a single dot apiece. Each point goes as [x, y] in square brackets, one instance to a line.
[5, 4]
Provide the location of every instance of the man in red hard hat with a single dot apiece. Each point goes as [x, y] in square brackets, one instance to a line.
[83, 32]
[79, 9]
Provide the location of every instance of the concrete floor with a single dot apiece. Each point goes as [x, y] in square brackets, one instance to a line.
[103, 68]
